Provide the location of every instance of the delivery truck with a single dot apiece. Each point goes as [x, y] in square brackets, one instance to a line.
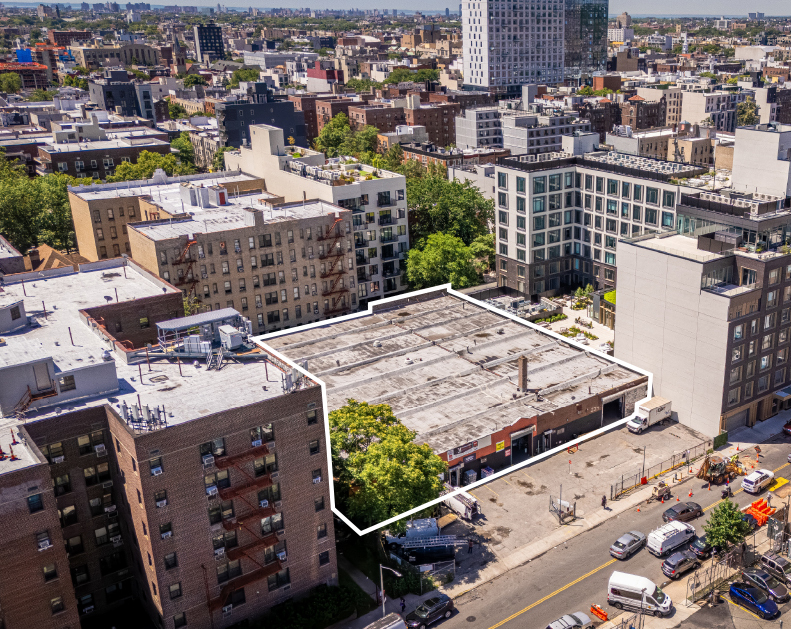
[462, 504]
[654, 411]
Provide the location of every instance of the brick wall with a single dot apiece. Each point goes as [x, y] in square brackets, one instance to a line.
[92, 216]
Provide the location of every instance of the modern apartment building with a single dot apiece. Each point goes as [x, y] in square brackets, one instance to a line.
[559, 216]
[376, 197]
[507, 45]
[762, 159]
[585, 39]
[527, 131]
[116, 93]
[130, 476]
[707, 308]
[208, 42]
[718, 106]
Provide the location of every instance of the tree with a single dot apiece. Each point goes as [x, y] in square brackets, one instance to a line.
[452, 207]
[218, 163]
[441, 259]
[362, 85]
[244, 74]
[76, 81]
[146, 164]
[176, 111]
[402, 75]
[20, 208]
[191, 80]
[39, 95]
[333, 135]
[56, 226]
[10, 83]
[483, 252]
[587, 90]
[725, 525]
[381, 471]
[747, 113]
[186, 152]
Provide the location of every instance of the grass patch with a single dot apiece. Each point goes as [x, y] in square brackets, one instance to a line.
[610, 296]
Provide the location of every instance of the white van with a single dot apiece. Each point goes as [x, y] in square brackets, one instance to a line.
[391, 621]
[632, 592]
[669, 537]
[756, 481]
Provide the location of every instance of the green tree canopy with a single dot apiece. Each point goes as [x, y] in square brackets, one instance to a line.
[483, 252]
[244, 74]
[725, 525]
[442, 258]
[747, 113]
[191, 80]
[381, 471]
[39, 95]
[452, 207]
[147, 163]
[336, 138]
[402, 75]
[75, 81]
[362, 85]
[10, 83]
[176, 111]
[218, 163]
[186, 152]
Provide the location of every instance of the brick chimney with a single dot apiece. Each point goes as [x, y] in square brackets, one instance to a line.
[35, 258]
[523, 368]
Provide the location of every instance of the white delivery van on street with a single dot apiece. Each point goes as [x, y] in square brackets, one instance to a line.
[655, 410]
[633, 592]
[669, 537]
[463, 504]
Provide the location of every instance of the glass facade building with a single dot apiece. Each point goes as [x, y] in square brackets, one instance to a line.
[585, 41]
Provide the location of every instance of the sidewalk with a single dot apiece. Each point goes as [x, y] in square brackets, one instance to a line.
[744, 438]
[412, 600]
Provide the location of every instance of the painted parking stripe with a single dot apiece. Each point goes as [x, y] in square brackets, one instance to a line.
[744, 609]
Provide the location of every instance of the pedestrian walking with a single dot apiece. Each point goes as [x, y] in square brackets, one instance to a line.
[403, 604]
[604, 502]
[469, 546]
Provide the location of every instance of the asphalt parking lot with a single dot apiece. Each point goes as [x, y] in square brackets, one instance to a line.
[515, 507]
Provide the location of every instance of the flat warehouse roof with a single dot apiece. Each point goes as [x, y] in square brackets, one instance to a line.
[447, 366]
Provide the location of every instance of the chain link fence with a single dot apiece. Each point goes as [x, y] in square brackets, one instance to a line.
[636, 621]
[683, 459]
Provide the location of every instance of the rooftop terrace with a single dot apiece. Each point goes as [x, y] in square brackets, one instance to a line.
[447, 365]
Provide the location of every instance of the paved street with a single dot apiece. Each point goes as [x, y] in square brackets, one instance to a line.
[574, 575]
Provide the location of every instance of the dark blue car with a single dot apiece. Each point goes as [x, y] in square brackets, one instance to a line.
[753, 599]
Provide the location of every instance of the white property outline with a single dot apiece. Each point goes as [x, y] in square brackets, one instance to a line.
[261, 342]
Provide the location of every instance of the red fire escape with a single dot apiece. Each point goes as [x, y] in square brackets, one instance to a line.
[333, 256]
[250, 521]
[187, 281]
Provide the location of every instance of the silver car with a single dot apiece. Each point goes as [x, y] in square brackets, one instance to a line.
[627, 545]
[577, 620]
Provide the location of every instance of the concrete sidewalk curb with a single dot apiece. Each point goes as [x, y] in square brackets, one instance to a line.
[529, 552]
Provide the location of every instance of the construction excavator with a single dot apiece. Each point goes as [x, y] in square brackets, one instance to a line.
[716, 468]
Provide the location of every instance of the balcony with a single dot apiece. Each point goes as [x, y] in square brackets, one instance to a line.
[391, 272]
[225, 462]
[261, 542]
[360, 243]
[388, 220]
[391, 238]
[241, 581]
[395, 255]
[246, 487]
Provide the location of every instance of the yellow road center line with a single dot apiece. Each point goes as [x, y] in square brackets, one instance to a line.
[555, 593]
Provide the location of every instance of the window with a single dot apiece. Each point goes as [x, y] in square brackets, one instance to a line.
[318, 503]
[62, 485]
[56, 604]
[539, 185]
[765, 363]
[763, 384]
[668, 198]
[736, 375]
[51, 572]
[502, 180]
[324, 558]
[74, 545]
[278, 580]
[265, 465]
[175, 591]
[738, 332]
[771, 299]
[520, 184]
[734, 395]
[35, 503]
[229, 571]
[80, 575]
[638, 192]
[612, 186]
[180, 620]
[652, 196]
[321, 531]
[539, 204]
[215, 447]
[170, 561]
[736, 354]
[161, 498]
[313, 447]
[144, 323]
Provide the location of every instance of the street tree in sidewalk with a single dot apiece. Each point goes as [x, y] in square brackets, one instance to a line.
[186, 152]
[441, 258]
[725, 526]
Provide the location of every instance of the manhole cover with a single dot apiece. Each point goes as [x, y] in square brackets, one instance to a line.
[470, 618]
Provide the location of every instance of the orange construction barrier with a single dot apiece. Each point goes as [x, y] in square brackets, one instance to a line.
[599, 612]
[761, 511]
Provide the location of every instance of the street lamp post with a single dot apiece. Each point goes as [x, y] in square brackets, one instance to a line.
[643, 474]
[382, 583]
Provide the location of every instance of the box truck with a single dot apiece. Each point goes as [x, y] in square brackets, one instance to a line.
[652, 412]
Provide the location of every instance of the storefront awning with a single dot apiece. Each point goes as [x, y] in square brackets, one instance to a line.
[783, 394]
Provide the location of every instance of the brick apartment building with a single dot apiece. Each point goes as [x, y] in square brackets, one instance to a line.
[602, 116]
[384, 118]
[326, 109]
[427, 153]
[67, 38]
[439, 119]
[639, 113]
[465, 100]
[33, 75]
[191, 512]
[95, 159]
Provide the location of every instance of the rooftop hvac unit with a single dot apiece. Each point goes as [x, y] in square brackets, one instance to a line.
[264, 504]
[208, 460]
[161, 503]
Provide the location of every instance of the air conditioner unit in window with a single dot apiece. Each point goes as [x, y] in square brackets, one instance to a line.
[270, 445]
[278, 504]
[161, 503]
[274, 475]
[256, 443]
[58, 459]
[226, 611]
[110, 508]
[211, 491]
[281, 532]
[282, 555]
[44, 544]
[208, 460]
[317, 480]
[116, 540]
[100, 450]
[167, 534]
[156, 471]
[219, 552]
[87, 610]
[264, 504]
[107, 484]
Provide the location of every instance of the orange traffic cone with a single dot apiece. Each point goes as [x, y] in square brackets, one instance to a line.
[679, 499]
[690, 493]
[638, 508]
[663, 500]
[737, 447]
[709, 485]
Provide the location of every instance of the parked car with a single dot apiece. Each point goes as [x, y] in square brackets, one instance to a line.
[669, 537]
[429, 611]
[577, 620]
[761, 579]
[679, 563]
[701, 547]
[787, 429]
[757, 481]
[682, 511]
[753, 599]
[777, 566]
[750, 519]
[627, 545]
